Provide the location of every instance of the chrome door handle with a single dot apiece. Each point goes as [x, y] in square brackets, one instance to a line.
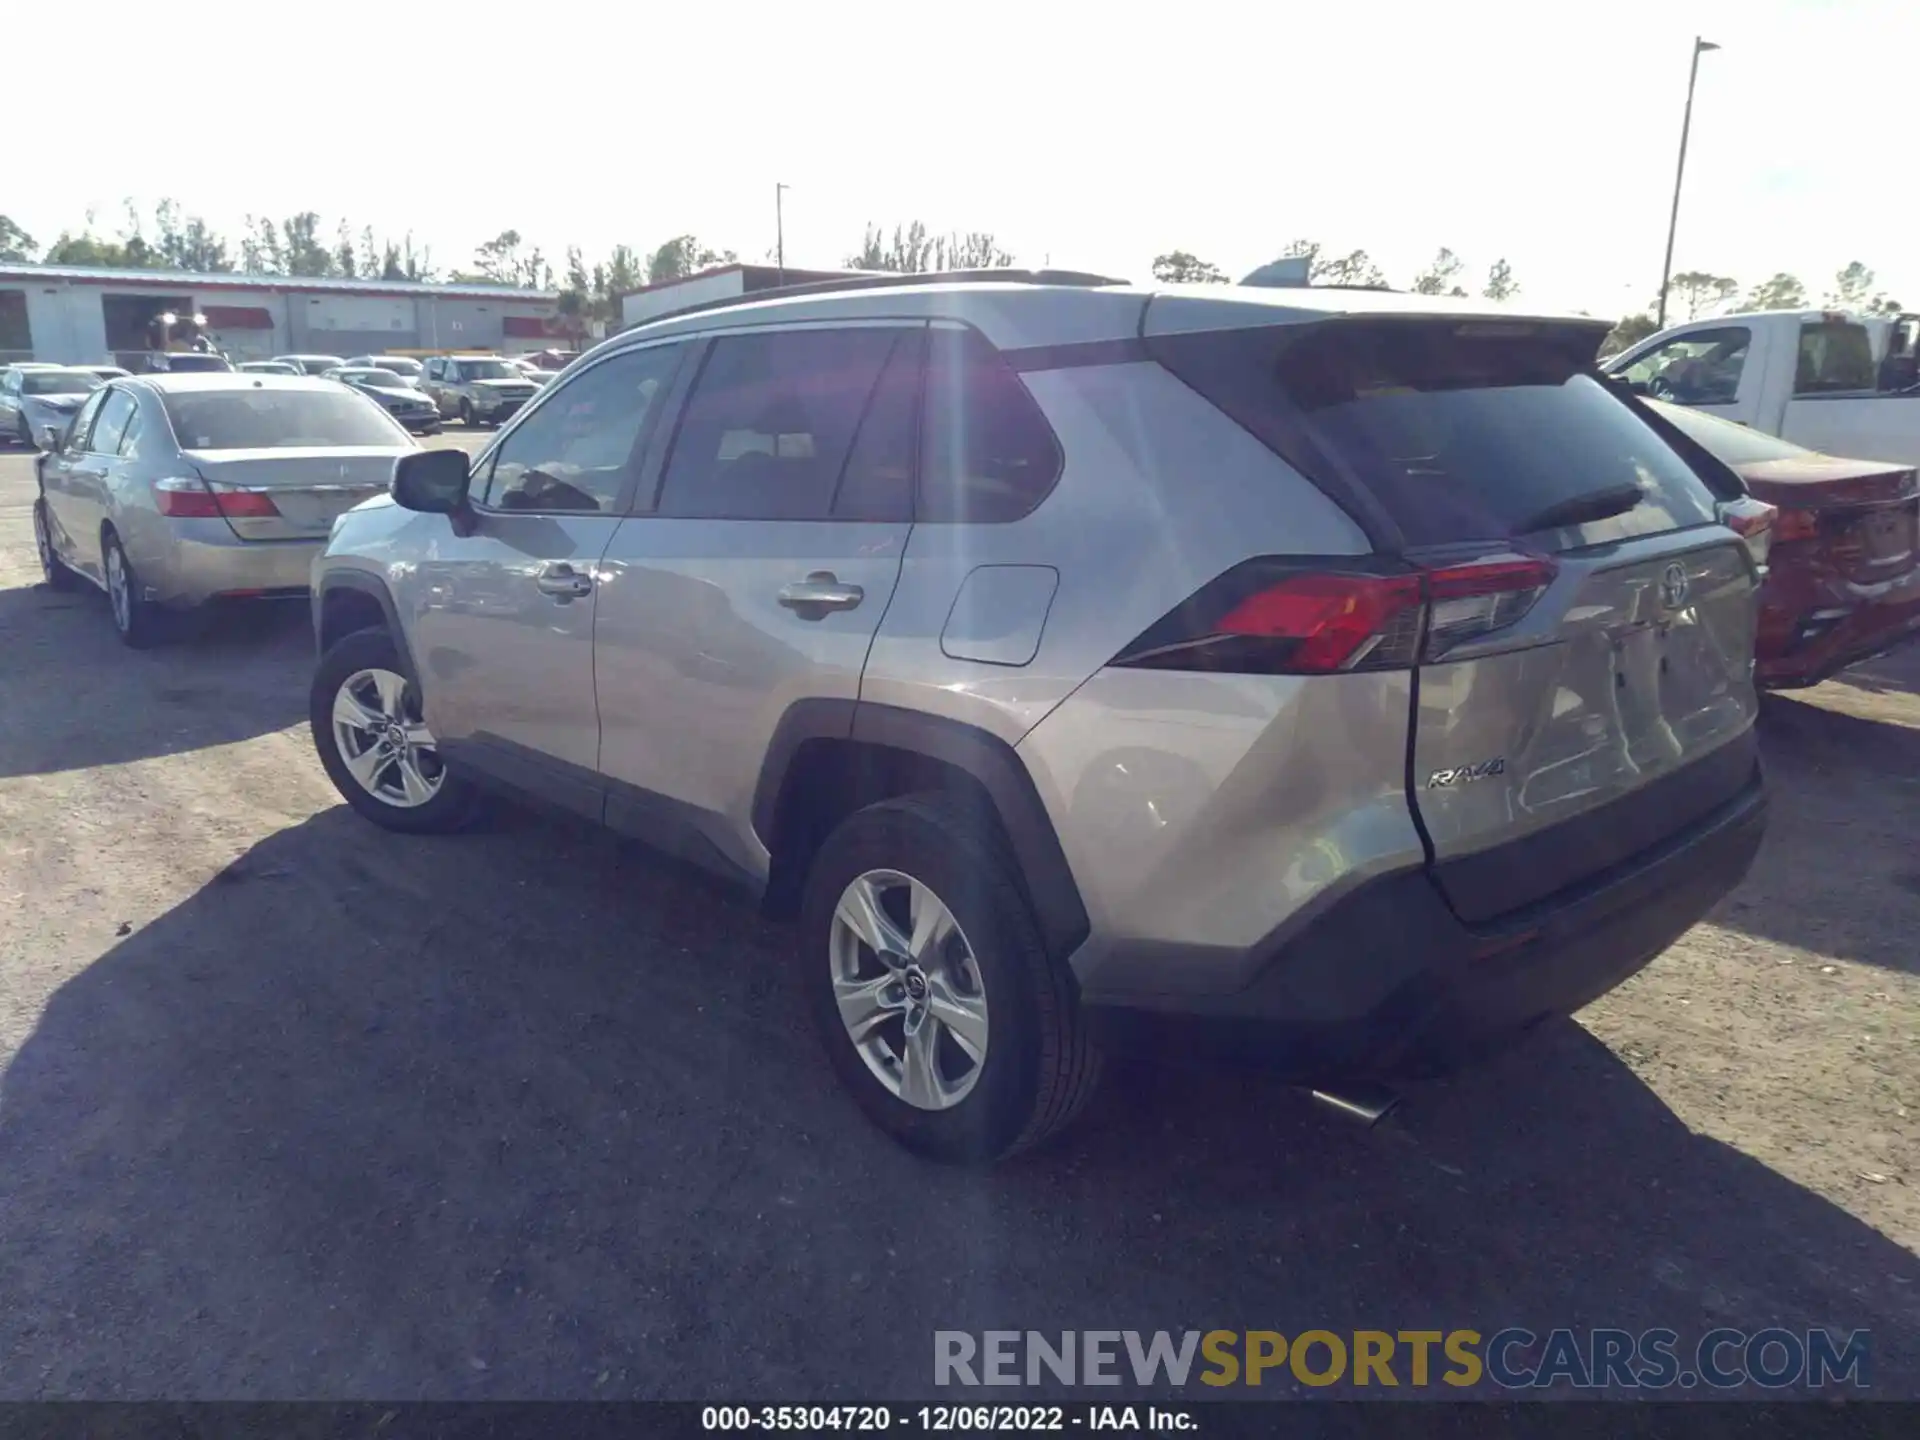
[820, 592]
[563, 582]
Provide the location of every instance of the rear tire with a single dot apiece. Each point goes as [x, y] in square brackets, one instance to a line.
[52, 568]
[1038, 1068]
[139, 623]
[466, 414]
[361, 679]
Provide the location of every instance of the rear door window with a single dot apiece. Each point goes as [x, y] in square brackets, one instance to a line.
[1835, 356]
[988, 455]
[771, 423]
[1457, 432]
[116, 412]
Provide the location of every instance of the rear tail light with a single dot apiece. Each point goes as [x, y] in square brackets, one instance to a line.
[188, 497]
[1754, 521]
[1791, 524]
[1283, 617]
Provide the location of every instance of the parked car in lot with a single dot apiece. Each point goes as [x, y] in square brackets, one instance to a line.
[168, 491]
[477, 389]
[312, 364]
[392, 393]
[1843, 582]
[1351, 671]
[269, 367]
[1834, 382]
[405, 366]
[36, 398]
[188, 362]
[105, 372]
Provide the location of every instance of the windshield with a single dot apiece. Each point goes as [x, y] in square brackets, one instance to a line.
[400, 366]
[374, 377]
[277, 419]
[58, 382]
[1727, 442]
[489, 370]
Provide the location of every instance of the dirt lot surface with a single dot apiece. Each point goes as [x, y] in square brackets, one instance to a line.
[295, 1108]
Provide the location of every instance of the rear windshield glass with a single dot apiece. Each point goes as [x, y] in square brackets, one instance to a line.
[1727, 442]
[277, 419]
[1464, 433]
[182, 363]
[58, 382]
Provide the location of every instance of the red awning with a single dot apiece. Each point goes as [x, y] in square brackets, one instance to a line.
[528, 327]
[238, 317]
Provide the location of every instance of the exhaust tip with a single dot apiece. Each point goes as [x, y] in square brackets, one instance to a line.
[1366, 1104]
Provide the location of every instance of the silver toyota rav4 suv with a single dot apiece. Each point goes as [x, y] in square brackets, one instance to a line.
[1347, 672]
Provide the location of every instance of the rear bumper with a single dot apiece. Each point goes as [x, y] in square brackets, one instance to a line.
[191, 568]
[1815, 622]
[1389, 982]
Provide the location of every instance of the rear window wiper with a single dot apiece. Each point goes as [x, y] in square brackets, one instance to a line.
[1583, 509]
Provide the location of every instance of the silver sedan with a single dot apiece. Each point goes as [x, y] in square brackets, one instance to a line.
[168, 491]
[33, 397]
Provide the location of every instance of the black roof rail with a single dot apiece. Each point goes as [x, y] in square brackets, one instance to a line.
[890, 281]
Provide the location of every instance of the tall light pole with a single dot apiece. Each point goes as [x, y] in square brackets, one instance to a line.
[780, 232]
[1700, 47]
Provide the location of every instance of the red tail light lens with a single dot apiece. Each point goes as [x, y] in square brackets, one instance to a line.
[1792, 524]
[1468, 601]
[1277, 617]
[1331, 622]
[188, 497]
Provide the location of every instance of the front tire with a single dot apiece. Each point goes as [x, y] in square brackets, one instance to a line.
[926, 977]
[376, 748]
[137, 620]
[52, 568]
[466, 414]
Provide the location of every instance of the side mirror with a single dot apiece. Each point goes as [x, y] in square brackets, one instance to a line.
[433, 482]
[50, 438]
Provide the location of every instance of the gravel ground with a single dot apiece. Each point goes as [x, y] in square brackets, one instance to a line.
[295, 1108]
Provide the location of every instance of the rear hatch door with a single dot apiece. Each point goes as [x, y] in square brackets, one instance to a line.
[1584, 685]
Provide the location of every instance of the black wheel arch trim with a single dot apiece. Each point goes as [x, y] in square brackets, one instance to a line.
[987, 758]
[376, 589]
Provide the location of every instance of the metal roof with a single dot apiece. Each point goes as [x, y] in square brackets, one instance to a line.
[98, 274]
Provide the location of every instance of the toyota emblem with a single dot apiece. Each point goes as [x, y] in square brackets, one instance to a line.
[1673, 586]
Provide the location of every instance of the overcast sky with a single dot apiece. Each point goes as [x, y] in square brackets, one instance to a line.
[1088, 136]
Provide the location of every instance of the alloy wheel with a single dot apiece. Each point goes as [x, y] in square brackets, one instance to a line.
[382, 740]
[908, 989]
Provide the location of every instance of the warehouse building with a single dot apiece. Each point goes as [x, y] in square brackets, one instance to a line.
[83, 316]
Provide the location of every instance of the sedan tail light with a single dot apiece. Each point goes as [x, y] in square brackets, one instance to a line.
[1286, 617]
[1792, 524]
[188, 497]
[1755, 522]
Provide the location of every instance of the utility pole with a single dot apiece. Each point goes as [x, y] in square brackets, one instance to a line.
[1700, 47]
[780, 232]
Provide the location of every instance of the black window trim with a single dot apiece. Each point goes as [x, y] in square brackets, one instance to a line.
[624, 499]
[707, 339]
[76, 443]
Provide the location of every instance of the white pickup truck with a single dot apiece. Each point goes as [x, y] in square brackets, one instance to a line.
[1844, 384]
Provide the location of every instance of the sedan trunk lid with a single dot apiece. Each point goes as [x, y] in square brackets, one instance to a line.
[307, 487]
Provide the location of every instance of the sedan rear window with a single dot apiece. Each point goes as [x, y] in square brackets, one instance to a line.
[1457, 432]
[277, 419]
